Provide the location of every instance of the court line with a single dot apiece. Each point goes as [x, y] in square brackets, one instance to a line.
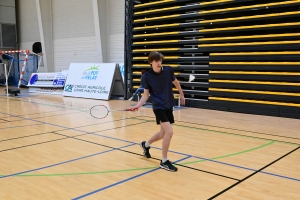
[233, 154]
[26, 136]
[153, 157]
[32, 170]
[246, 168]
[240, 130]
[228, 129]
[181, 164]
[197, 124]
[42, 113]
[66, 137]
[229, 133]
[4, 120]
[123, 181]
[21, 126]
[32, 102]
[201, 128]
[247, 177]
[20, 147]
[202, 160]
[34, 114]
[98, 131]
[65, 129]
[195, 157]
[42, 102]
[47, 116]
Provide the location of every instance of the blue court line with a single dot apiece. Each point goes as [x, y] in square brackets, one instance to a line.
[45, 167]
[286, 177]
[123, 181]
[137, 143]
[246, 168]
[95, 133]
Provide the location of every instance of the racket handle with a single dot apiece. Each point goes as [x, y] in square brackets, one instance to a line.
[128, 109]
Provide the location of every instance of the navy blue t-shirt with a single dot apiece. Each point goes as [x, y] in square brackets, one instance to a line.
[160, 87]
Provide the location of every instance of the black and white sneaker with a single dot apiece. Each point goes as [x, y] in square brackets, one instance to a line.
[145, 149]
[168, 166]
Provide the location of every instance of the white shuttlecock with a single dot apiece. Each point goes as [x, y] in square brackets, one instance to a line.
[191, 78]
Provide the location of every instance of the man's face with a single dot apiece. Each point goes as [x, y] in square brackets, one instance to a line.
[156, 65]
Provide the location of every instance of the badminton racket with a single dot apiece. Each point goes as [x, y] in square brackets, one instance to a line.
[101, 111]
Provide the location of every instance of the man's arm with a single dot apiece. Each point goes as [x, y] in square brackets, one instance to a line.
[177, 85]
[143, 100]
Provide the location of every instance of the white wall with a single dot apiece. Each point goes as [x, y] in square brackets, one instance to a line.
[28, 24]
[7, 3]
[116, 22]
[75, 33]
[7, 14]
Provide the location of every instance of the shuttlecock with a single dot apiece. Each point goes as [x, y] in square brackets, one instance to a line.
[191, 78]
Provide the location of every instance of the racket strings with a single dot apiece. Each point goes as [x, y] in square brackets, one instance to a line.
[99, 111]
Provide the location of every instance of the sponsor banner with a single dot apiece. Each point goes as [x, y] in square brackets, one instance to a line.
[43, 80]
[47, 90]
[90, 80]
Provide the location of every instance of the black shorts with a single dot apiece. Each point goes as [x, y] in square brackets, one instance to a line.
[164, 116]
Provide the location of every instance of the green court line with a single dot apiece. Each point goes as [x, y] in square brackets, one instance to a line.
[227, 133]
[141, 169]
[237, 135]
[229, 155]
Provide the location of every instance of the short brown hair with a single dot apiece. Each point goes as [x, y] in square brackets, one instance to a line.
[154, 55]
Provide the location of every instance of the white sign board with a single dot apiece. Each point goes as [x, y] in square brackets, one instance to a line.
[46, 90]
[52, 80]
[122, 69]
[91, 80]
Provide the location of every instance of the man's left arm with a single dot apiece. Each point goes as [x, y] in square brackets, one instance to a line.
[177, 85]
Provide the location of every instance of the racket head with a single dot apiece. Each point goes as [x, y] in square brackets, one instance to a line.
[99, 111]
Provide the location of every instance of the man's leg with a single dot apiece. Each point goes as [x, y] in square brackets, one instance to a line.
[158, 136]
[165, 163]
[168, 133]
[146, 144]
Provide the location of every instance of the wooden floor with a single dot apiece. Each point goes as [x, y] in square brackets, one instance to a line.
[51, 148]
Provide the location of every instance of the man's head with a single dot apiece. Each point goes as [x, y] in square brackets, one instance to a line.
[155, 59]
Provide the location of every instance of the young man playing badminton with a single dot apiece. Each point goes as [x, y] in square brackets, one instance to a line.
[158, 82]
